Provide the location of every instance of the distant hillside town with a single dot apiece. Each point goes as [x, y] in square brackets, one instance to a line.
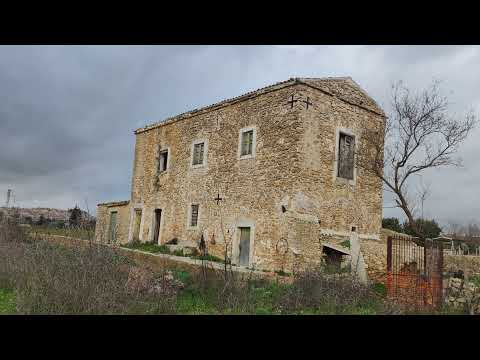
[43, 216]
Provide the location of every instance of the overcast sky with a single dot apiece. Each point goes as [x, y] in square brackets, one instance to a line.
[67, 113]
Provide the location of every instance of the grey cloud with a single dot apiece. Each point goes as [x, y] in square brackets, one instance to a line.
[67, 113]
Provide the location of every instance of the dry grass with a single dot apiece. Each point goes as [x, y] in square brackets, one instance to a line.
[51, 279]
[94, 279]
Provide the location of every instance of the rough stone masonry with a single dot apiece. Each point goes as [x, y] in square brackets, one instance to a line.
[265, 177]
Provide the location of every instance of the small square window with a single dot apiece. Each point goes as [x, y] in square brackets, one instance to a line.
[194, 215]
[198, 151]
[163, 161]
[247, 143]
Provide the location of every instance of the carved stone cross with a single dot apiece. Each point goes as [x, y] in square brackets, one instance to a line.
[218, 199]
[307, 102]
[292, 101]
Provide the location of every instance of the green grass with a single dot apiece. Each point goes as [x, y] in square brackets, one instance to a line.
[163, 249]
[208, 257]
[263, 298]
[178, 252]
[7, 302]
[148, 247]
[380, 288]
[75, 233]
[182, 275]
[345, 243]
[476, 280]
[192, 300]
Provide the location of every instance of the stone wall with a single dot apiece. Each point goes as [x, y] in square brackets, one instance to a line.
[159, 262]
[463, 295]
[375, 255]
[469, 265]
[102, 227]
[338, 203]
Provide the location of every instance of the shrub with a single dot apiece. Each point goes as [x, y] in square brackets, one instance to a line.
[315, 290]
[94, 279]
[345, 243]
[178, 252]
[392, 224]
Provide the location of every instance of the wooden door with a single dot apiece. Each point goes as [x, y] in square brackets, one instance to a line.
[136, 225]
[112, 239]
[156, 227]
[244, 246]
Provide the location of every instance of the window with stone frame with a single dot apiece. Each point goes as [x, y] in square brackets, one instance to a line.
[346, 156]
[194, 215]
[162, 160]
[198, 151]
[247, 143]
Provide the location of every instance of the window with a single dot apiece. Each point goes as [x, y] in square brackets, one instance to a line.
[247, 143]
[198, 150]
[346, 155]
[194, 215]
[162, 160]
[247, 140]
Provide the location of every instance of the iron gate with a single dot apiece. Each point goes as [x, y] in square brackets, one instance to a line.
[415, 271]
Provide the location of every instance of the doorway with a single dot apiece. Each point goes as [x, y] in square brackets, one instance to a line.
[157, 221]
[112, 238]
[136, 224]
[244, 246]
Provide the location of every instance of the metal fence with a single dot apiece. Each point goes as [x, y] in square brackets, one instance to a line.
[415, 271]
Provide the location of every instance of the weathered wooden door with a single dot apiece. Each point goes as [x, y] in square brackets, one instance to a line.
[244, 246]
[156, 227]
[136, 225]
[112, 239]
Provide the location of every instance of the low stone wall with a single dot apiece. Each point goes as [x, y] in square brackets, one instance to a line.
[375, 256]
[463, 294]
[469, 265]
[157, 262]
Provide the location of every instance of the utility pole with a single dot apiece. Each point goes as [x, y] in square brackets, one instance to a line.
[9, 195]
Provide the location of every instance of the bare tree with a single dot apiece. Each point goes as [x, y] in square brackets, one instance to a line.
[419, 134]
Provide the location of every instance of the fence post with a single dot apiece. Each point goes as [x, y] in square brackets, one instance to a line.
[389, 266]
[389, 254]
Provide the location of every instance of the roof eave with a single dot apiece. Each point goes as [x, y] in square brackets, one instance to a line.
[255, 93]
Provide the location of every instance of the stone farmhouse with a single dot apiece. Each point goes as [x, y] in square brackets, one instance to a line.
[268, 177]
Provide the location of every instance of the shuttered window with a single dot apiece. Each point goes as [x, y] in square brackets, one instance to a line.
[194, 215]
[198, 150]
[247, 143]
[346, 155]
[162, 160]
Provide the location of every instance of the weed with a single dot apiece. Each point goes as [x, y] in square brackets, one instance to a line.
[209, 257]
[345, 243]
[7, 302]
[148, 247]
